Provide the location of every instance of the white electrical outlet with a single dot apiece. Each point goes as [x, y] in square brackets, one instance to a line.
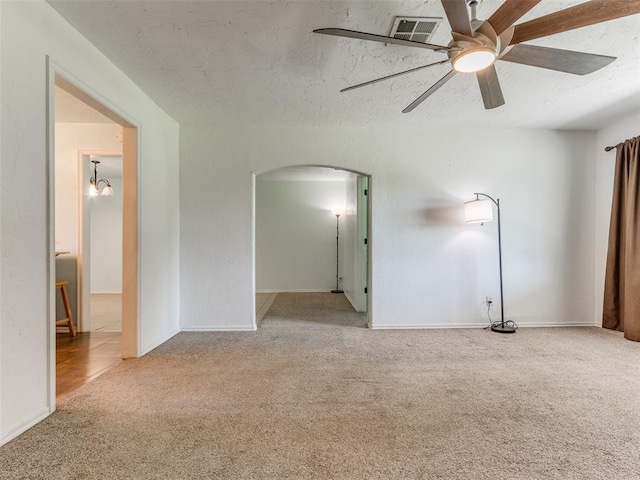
[489, 300]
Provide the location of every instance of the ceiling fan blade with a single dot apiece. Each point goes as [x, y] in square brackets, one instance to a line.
[581, 15]
[490, 87]
[341, 32]
[458, 16]
[509, 12]
[568, 61]
[392, 76]
[429, 92]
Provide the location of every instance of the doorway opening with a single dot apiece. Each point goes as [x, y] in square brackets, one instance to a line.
[92, 234]
[311, 246]
[101, 244]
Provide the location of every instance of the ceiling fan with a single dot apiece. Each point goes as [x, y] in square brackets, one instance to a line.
[477, 44]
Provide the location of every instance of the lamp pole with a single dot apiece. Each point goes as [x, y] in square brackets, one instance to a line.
[502, 328]
[337, 290]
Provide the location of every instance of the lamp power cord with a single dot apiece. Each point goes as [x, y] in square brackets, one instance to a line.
[495, 323]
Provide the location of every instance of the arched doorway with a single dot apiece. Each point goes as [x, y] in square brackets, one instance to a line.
[301, 247]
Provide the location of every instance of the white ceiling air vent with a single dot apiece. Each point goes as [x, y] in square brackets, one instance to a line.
[418, 29]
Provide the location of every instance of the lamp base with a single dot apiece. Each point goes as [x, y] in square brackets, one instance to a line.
[502, 328]
[337, 291]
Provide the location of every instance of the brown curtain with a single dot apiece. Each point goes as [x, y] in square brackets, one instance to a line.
[622, 278]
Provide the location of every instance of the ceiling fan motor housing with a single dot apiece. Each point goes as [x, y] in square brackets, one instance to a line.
[484, 39]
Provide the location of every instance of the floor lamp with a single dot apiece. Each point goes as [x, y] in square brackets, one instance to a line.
[337, 290]
[480, 211]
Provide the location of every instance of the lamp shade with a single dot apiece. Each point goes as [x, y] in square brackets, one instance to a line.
[477, 211]
[107, 190]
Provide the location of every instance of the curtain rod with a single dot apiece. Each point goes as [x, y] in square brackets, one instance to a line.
[608, 149]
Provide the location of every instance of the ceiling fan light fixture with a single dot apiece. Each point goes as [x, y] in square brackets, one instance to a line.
[474, 60]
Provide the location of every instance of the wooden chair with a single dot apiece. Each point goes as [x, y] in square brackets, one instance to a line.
[68, 321]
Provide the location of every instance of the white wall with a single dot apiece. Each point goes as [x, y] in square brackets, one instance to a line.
[296, 234]
[29, 31]
[69, 139]
[106, 240]
[625, 128]
[428, 268]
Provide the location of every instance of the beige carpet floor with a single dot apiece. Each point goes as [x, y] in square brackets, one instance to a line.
[313, 395]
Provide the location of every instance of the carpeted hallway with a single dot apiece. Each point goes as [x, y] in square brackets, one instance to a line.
[315, 395]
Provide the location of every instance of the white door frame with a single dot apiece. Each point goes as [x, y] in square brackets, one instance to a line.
[369, 263]
[57, 76]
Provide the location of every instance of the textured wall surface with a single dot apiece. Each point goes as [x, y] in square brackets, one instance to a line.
[428, 267]
[29, 31]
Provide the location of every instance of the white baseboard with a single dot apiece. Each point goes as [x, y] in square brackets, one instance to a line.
[230, 328]
[25, 425]
[474, 325]
[376, 326]
[158, 342]
[552, 325]
[303, 290]
[111, 292]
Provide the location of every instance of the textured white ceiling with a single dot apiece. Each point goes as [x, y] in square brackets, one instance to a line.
[258, 62]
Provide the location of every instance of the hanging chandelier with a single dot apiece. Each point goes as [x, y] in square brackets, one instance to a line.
[94, 183]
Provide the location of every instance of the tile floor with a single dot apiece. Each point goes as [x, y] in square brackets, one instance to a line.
[106, 312]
